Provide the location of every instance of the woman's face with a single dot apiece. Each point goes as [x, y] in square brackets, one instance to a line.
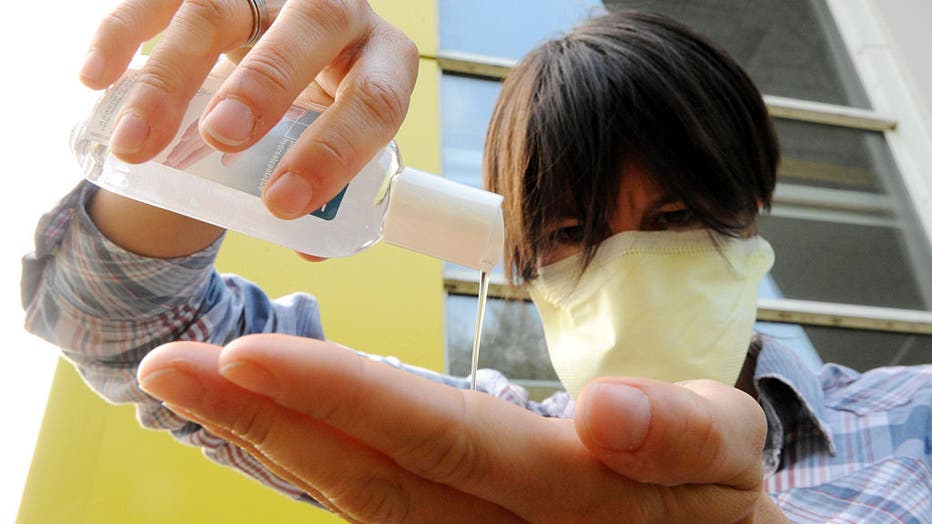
[641, 206]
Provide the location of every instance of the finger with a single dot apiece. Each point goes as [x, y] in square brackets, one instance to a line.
[315, 96]
[360, 483]
[193, 156]
[228, 159]
[310, 258]
[703, 439]
[369, 107]
[469, 441]
[199, 31]
[189, 143]
[671, 434]
[118, 37]
[279, 67]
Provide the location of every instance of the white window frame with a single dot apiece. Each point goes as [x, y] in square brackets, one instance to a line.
[888, 90]
[906, 135]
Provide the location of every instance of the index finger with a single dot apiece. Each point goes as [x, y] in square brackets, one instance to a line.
[119, 35]
[338, 471]
[370, 103]
[199, 31]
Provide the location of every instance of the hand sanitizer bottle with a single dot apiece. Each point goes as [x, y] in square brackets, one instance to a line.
[405, 207]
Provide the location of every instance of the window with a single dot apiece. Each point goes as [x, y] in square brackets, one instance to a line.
[852, 254]
[507, 29]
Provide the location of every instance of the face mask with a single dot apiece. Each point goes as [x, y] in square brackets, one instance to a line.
[665, 305]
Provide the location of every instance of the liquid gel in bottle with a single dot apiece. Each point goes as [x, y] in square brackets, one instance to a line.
[405, 207]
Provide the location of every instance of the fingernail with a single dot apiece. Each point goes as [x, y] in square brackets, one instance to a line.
[130, 134]
[93, 67]
[288, 196]
[623, 416]
[230, 122]
[252, 377]
[173, 387]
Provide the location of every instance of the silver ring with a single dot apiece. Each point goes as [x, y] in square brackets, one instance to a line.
[260, 21]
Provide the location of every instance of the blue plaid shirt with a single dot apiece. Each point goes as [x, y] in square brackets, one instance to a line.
[842, 446]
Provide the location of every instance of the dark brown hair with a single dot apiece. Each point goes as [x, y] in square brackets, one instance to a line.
[625, 89]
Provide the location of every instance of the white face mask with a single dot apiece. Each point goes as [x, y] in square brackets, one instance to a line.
[665, 305]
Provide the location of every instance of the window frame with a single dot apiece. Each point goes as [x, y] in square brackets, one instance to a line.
[908, 145]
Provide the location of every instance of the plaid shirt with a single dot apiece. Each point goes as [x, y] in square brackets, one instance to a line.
[841, 447]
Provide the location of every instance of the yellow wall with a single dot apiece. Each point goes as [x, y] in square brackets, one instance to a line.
[93, 463]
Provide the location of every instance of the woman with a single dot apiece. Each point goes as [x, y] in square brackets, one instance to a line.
[630, 152]
[609, 144]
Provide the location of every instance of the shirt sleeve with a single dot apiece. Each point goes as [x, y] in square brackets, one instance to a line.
[107, 308]
[866, 456]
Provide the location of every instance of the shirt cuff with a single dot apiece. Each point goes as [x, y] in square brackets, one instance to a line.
[99, 277]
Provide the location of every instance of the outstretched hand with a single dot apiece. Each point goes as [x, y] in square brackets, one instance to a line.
[376, 444]
[339, 53]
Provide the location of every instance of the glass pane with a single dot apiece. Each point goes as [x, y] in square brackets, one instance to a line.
[512, 338]
[466, 106]
[790, 48]
[842, 224]
[830, 156]
[829, 261]
[509, 28]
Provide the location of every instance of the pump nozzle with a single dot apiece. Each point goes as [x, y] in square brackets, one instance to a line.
[445, 219]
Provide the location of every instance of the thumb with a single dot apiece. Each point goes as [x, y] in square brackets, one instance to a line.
[696, 432]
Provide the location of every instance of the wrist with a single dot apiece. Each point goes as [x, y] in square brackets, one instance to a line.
[147, 230]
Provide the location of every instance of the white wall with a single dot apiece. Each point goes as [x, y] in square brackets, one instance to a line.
[890, 41]
[905, 24]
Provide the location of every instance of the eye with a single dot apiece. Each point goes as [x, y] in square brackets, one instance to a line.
[680, 218]
[567, 235]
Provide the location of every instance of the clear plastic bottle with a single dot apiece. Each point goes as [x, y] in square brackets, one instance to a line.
[403, 206]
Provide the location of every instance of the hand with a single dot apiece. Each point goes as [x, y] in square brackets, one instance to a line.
[338, 51]
[376, 444]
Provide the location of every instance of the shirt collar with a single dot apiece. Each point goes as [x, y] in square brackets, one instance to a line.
[790, 394]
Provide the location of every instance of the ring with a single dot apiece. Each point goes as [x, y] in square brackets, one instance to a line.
[260, 21]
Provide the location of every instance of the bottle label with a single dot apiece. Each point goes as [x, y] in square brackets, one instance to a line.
[247, 170]
[329, 210]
